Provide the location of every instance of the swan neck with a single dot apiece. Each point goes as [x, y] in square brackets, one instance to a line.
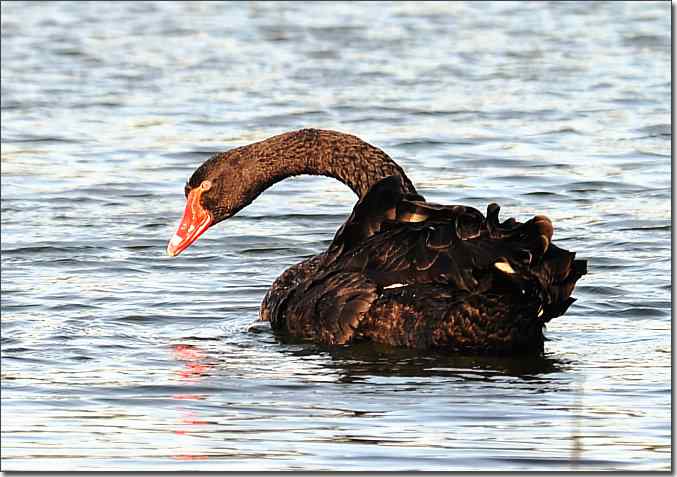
[344, 157]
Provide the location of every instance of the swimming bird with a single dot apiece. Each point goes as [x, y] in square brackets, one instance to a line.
[400, 271]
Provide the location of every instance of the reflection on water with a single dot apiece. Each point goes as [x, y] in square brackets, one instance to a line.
[115, 356]
[358, 362]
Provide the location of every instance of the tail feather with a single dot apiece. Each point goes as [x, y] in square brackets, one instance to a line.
[558, 276]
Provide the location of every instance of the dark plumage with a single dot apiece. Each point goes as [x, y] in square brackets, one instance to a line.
[400, 271]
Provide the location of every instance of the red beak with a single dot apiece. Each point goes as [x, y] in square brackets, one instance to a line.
[194, 222]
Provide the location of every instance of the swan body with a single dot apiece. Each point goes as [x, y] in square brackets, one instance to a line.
[400, 271]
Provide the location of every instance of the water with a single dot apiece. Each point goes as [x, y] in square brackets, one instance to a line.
[116, 356]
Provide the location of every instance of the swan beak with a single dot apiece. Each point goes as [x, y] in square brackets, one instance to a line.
[196, 219]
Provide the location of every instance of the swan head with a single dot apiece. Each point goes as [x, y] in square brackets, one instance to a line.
[217, 190]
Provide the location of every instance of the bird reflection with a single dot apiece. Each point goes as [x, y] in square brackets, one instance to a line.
[270, 360]
[356, 362]
[196, 367]
[194, 359]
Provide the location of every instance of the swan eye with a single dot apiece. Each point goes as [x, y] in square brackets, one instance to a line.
[206, 185]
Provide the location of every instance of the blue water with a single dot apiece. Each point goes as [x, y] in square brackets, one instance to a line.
[115, 356]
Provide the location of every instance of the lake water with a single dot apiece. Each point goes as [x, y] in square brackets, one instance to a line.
[115, 356]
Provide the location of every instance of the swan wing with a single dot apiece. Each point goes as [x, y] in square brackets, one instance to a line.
[393, 238]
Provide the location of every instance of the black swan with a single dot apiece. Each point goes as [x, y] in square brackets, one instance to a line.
[401, 271]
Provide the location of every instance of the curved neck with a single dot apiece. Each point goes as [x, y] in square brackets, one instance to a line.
[317, 152]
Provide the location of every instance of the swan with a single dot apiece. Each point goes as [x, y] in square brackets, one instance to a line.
[400, 271]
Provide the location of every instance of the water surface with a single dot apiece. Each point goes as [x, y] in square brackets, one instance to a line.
[115, 356]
